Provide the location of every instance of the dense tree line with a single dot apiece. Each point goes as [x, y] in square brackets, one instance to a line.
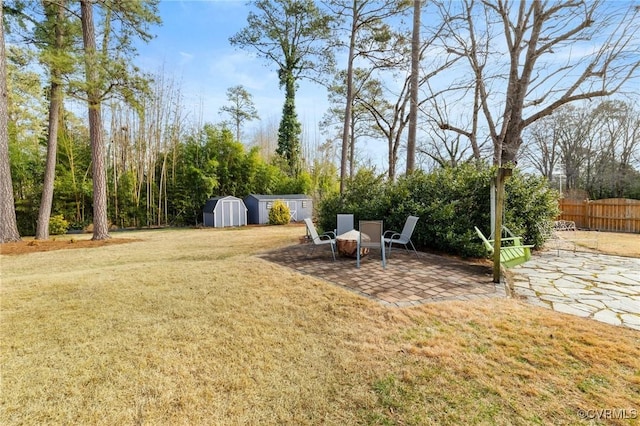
[589, 151]
[94, 138]
[148, 185]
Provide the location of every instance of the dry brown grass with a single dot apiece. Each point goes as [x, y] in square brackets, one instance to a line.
[617, 243]
[187, 327]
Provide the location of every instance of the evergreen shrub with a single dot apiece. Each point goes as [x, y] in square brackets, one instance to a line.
[365, 198]
[449, 203]
[279, 213]
[58, 225]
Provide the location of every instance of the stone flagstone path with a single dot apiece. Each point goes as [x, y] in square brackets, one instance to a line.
[605, 288]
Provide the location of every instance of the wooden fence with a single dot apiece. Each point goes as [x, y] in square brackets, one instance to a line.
[613, 214]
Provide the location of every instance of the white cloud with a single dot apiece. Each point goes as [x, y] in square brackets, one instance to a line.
[241, 68]
[185, 58]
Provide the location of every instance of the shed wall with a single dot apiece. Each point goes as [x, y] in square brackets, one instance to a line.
[258, 208]
[228, 211]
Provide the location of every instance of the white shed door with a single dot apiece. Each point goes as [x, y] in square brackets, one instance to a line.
[230, 213]
[293, 212]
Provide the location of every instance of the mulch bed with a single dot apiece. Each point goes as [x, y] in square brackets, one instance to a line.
[33, 246]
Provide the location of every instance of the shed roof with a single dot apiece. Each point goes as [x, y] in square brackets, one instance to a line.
[211, 202]
[280, 197]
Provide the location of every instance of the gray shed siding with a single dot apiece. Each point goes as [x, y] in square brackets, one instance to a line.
[221, 212]
[258, 206]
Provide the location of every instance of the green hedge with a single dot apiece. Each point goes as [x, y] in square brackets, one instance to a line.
[366, 198]
[449, 202]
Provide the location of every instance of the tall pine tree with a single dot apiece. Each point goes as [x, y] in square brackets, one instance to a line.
[8, 224]
[291, 34]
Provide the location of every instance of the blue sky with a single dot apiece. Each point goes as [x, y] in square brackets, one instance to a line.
[192, 47]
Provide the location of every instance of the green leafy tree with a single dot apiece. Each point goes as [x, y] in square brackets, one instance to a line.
[266, 179]
[213, 163]
[230, 159]
[25, 130]
[241, 107]
[300, 184]
[289, 134]
[73, 186]
[323, 179]
[234, 169]
[291, 34]
[37, 33]
[194, 180]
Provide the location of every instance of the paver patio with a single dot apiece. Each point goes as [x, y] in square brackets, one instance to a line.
[604, 288]
[407, 280]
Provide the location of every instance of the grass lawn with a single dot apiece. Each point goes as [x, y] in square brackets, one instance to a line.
[187, 327]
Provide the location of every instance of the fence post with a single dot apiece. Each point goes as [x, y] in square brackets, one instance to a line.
[587, 214]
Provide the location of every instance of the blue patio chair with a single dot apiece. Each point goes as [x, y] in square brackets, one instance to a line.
[345, 224]
[404, 237]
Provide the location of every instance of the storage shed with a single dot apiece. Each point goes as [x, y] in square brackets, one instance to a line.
[220, 212]
[258, 206]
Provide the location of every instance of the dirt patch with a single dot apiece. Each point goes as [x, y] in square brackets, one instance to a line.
[31, 245]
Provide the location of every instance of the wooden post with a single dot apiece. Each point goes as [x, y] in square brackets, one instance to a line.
[586, 214]
[503, 174]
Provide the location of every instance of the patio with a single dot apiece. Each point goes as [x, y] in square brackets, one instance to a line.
[602, 287]
[406, 281]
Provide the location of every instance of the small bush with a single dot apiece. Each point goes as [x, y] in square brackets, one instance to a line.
[279, 213]
[58, 225]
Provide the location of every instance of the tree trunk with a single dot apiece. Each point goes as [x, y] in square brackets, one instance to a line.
[352, 148]
[511, 143]
[392, 158]
[348, 108]
[415, 73]
[100, 223]
[503, 174]
[8, 224]
[46, 200]
[55, 105]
